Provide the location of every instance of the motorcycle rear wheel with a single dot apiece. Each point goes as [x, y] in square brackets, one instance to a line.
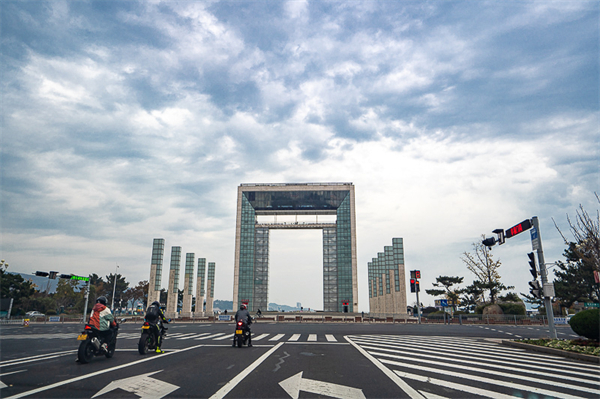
[145, 342]
[240, 340]
[86, 351]
[111, 349]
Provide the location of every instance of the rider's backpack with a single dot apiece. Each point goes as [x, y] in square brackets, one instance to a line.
[152, 313]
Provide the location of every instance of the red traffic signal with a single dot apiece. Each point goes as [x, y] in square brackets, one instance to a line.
[418, 273]
[413, 287]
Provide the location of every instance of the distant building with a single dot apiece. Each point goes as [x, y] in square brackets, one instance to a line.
[387, 288]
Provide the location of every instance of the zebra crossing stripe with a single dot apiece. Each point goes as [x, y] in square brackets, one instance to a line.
[294, 337]
[260, 337]
[458, 387]
[448, 372]
[330, 338]
[312, 337]
[185, 336]
[209, 336]
[277, 337]
[226, 336]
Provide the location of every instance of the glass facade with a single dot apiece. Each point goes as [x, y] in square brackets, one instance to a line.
[252, 240]
[386, 277]
[158, 250]
[175, 264]
[189, 272]
[210, 281]
[201, 274]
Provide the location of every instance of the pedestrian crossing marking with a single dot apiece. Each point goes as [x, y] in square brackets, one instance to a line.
[330, 338]
[491, 371]
[258, 338]
[294, 337]
[312, 337]
[277, 337]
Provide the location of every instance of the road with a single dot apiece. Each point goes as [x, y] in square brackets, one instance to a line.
[295, 361]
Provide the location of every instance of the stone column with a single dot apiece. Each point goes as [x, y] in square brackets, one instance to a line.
[173, 292]
[210, 287]
[188, 285]
[200, 287]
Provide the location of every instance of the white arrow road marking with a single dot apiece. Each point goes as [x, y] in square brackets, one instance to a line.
[3, 385]
[141, 385]
[296, 383]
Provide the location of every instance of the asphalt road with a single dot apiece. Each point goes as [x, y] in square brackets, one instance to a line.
[295, 360]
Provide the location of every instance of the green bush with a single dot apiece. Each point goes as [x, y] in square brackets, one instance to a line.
[587, 324]
[513, 308]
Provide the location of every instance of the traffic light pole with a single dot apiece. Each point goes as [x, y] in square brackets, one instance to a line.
[536, 244]
[418, 306]
[87, 297]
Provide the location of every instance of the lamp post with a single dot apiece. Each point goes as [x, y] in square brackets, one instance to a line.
[112, 306]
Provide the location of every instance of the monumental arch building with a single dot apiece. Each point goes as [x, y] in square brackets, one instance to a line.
[251, 276]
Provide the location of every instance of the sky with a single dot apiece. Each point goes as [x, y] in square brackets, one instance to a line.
[125, 121]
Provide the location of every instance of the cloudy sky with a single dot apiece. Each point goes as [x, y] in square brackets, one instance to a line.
[124, 121]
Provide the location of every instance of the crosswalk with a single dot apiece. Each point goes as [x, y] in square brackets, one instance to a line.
[471, 366]
[265, 337]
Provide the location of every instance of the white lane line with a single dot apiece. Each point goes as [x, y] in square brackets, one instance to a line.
[330, 338]
[34, 358]
[83, 377]
[312, 337]
[260, 337]
[221, 393]
[294, 337]
[197, 335]
[410, 391]
[185, 336]
[277, 337]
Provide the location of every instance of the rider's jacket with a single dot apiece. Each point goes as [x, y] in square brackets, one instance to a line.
[101, 317]
[154, 314]
[244, 315]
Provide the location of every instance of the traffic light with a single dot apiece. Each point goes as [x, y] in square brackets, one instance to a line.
[489, 242]
[53, 275]
[413, 285]
[418, 285]
[536, 289]
[417, 274]
[533, 269]
[67, 276]
[41, 274]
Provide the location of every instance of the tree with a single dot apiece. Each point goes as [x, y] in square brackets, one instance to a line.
[66, 295]
[447, 282]
[482, 265]
[14, 286]
[110, 284]
[473, 296]
[138, 293]
[575, 280]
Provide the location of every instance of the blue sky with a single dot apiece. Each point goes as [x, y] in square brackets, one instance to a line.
[124, 121]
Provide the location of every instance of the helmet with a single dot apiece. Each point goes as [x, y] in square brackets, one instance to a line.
[156, 303]
[102, 300]
[242, 306]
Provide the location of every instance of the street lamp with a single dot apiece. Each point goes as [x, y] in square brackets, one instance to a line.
[112, 306]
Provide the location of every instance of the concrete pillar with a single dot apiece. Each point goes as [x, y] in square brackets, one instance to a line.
[200, 287]
[173, 291]
[210, 288]
[154, 282]
[188, 285]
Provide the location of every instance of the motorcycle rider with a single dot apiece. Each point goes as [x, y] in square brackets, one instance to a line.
[244, 315]
[102, 319]
[153, 315]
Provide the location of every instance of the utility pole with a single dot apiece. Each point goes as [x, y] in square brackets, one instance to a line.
[112, 307]
[87, 297]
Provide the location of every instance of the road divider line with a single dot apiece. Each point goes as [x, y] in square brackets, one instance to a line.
[410, 391]
[83, 377]
[221, 393]
[34, 358]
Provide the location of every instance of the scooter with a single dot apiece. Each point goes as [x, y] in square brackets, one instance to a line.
[92, 343]
[242, 333]
[150, 333]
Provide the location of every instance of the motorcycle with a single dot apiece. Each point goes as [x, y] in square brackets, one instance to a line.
[150, 333]
[91, 343]
[242, 333]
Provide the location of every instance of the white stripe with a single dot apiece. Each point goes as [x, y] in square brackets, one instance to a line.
[34, 358]
[294, 337]
[260, 337]
[446, 371]
[330, 338]
[209, 336]
[452, 385]
[277, 337]
[186, 336]
[221, 393]
[83, 377]
[197, 335]
[410, 391]
[226, 336]
[312, 337]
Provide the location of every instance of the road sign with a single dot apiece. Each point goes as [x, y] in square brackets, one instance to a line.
[518, 228]
[535, 239]
[591, 305]
[296, 383]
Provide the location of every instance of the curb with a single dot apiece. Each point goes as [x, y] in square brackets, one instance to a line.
[553, 351]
